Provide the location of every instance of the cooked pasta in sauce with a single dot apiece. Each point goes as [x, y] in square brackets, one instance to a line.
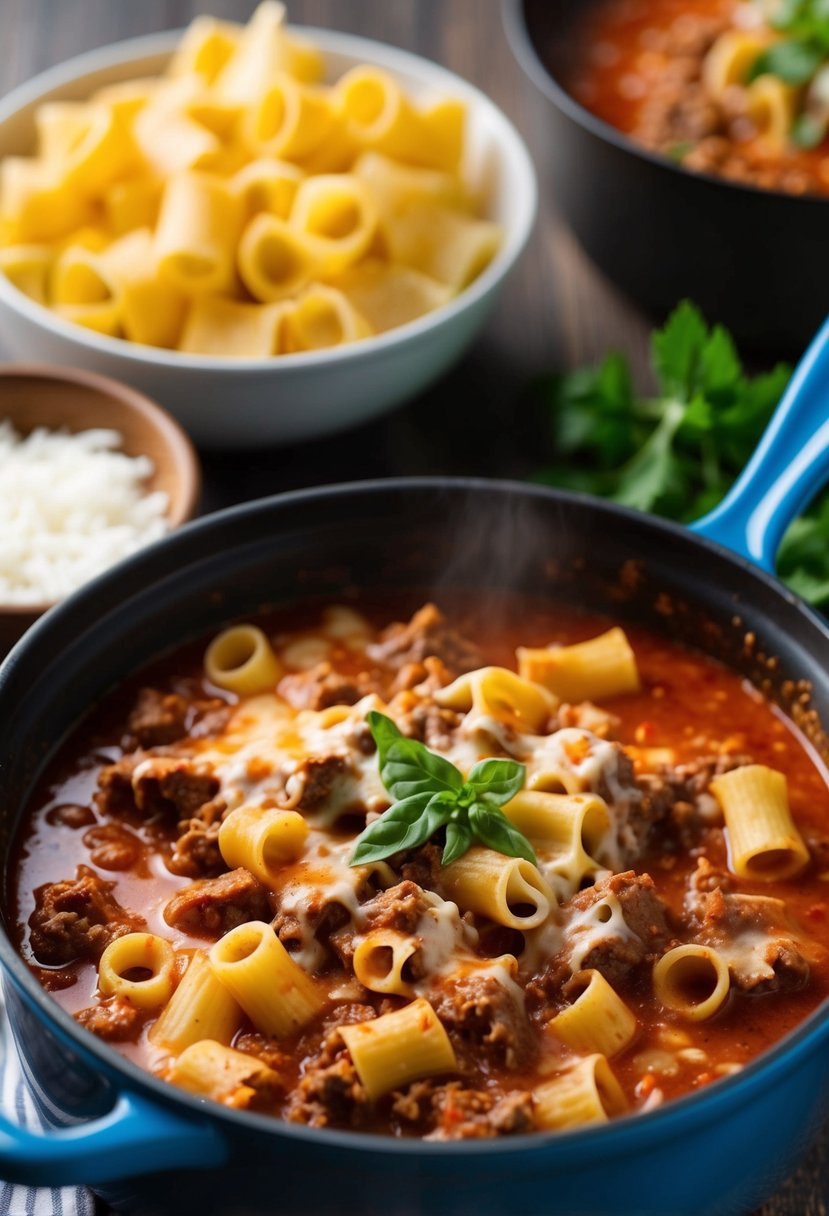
[183, 885]
[684, 78]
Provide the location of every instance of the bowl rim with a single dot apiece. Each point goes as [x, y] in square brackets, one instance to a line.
[667, 1121]
[433, 75]
[523, 45]
[176, 439]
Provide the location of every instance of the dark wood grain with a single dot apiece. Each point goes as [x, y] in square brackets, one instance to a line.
[556, 312]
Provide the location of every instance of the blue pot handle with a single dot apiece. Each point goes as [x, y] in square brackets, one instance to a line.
[788, 468]
[136, 1137]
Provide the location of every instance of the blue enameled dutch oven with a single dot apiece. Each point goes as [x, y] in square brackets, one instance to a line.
[149, 1148]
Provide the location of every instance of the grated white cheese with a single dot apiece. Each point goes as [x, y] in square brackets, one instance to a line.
[70, 505]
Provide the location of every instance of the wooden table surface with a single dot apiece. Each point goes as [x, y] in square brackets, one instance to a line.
[556, 312]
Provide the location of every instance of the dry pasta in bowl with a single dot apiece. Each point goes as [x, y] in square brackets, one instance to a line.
[241, 204]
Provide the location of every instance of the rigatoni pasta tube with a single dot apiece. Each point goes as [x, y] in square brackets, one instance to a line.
[335, 215]
[380, 958]
[604, 666]
[274, 261]
[380, 116]
[764, 843]
[262, 839]
[397, 1048]
[499, 692]
[388, 296]
[241, 659]
[289, 120]
[567, 832]
[214, 326]
[195, 241]
[321, 317]
[267, 185]
[441, 242]
[274, 991]
[692, 980]
[598, 1020]
[27, 267]
[587, 1093]
[200, 1008]
[509, 890]
[216, 1071]
[772, 105]
[144, 952]
[730, 60]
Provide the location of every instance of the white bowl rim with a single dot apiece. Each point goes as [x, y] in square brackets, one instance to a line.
[329, 41]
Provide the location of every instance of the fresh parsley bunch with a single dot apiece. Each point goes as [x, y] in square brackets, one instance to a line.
[677, 453]
[430, 793]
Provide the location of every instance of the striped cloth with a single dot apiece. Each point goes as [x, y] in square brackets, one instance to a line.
[18, 1106]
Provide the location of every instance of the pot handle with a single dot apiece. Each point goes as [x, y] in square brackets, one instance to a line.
[787, 469]
[136, 1137]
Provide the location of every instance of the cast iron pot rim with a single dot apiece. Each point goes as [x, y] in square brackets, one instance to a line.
[670, 1119]
[523, 47]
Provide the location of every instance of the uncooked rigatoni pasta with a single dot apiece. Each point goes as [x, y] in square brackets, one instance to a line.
[177, 211]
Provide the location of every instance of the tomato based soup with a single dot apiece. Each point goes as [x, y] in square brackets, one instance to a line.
[639, 908]
[671, 74]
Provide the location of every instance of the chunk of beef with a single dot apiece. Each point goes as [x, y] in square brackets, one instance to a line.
[330, 1092]
[166, 785]
[214, 906]
[755, 935]
[426, 635]
[196, 852]
[682, 794]
[314, 779]
[159, 718]
[431, 724]
[114, 1019]
[422, 866]
[449, 1111]
[324, 918]
[637, 930]
[400, 907]
[77, 918]
[485, 1018]
[155, 786]
[322, 686]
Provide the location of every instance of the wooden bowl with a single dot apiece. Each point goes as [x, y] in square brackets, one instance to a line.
[34, 395]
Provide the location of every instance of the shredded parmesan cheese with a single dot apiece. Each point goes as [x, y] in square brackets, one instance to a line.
[70, 505]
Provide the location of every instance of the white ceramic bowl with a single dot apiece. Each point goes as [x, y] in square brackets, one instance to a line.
[240, 402]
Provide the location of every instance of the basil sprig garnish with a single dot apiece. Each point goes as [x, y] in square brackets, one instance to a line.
[430, 793]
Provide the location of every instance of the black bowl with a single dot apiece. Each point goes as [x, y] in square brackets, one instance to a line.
[745, 255]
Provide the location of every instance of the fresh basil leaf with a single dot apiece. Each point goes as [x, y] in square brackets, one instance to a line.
[492, 828]
[406, 766]
[458, 840]
[793, 61]
[499, 780]
[405, 825]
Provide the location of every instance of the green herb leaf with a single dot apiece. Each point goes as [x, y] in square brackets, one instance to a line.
[677, 453]
[405, 825]
[498, 780]
[458, 840]
[492, 828]
[406, 766]
[431, 794]
[809, 130]
[794, 61]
